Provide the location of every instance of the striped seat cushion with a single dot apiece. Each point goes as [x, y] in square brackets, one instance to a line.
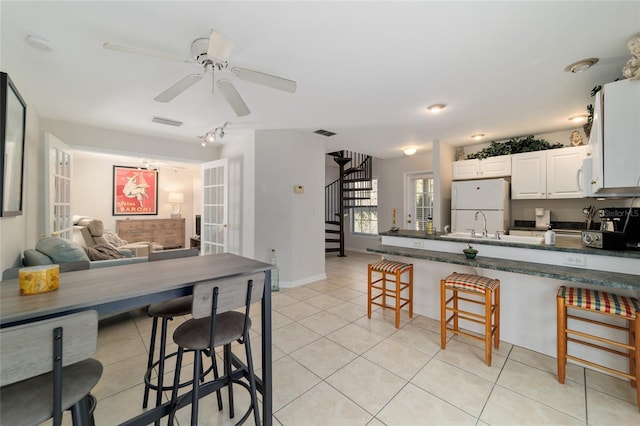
[600, 301]
[390, 266]
[470, 282]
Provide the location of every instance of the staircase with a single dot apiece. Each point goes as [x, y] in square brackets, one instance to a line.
[353, 184]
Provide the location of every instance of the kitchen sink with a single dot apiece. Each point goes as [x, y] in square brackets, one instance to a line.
[521, 239]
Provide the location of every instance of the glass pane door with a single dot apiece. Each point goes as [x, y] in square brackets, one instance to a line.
[420, 201]
[58, 220]
[214, 226]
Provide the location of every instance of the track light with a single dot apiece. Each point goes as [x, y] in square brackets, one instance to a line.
[213, 135]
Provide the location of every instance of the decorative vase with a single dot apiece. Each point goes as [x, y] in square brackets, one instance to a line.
[470, 253]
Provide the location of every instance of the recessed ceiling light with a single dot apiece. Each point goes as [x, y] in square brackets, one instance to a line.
[39, 43]
[578, 118]
[409, 151]
[436, 107]
[477, 136]
[582, 65]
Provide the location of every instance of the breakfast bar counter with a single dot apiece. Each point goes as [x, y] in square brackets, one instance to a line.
[566, 273]
[529, 274]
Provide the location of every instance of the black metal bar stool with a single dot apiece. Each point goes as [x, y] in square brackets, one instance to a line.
[162, 313]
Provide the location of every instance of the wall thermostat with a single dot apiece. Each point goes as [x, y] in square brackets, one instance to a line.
[298, 189]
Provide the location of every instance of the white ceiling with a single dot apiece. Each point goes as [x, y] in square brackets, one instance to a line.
[365, 70]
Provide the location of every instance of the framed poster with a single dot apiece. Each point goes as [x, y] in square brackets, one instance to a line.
[135, 191]
[13, 118]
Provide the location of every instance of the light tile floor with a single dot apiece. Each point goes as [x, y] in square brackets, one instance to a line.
[334, 366]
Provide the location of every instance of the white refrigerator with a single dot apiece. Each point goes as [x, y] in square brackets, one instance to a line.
[490, 196]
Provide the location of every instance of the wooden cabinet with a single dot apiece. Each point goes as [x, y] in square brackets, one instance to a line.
[167, 232]
[550, 174]
[491, 167]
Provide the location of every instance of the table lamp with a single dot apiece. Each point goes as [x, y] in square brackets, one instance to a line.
[176, 198]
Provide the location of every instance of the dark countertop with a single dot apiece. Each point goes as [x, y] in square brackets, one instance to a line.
[565, 273]
[567, 244]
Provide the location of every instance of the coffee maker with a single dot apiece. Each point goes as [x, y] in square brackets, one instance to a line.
[621, 226]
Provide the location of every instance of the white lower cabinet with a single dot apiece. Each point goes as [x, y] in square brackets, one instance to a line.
[547, 174]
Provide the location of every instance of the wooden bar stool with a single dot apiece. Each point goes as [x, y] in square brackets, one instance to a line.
[390, 271]
[488, 289]
[612, 305]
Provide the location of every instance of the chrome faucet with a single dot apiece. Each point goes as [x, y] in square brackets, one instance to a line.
[484, 222]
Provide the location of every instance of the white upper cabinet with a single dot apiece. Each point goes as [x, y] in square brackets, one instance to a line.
[547, 174]
[529, 176]
[491, 167]
[562, 172]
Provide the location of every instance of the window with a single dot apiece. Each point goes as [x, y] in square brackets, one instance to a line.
[364, 214]
[421, 187]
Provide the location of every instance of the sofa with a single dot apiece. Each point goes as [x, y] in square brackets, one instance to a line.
[90, 233]
[50, 250]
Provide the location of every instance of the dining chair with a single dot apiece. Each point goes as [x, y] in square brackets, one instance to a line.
[218, 322]
[47, 368]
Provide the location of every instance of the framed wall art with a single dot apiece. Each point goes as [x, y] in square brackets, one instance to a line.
[135, 191]
[13, 119]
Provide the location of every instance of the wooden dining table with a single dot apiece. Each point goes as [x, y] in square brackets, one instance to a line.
[123, 288]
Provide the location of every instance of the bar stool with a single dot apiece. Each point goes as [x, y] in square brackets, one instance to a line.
[612, 305]
[217, 322]
[395, 269]
[163, 312]
[487, 289]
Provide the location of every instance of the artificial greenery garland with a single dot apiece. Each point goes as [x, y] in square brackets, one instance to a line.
[514, 146]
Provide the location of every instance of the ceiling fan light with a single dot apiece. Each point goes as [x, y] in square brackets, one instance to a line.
[220, 47]
[581, 66]
[436, 107]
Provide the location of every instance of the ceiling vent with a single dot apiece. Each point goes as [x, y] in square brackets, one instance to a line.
[324, 132]
[167, 121]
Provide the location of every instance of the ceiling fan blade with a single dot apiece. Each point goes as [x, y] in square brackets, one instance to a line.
[144, 52]
[265, 79]
[178, 88]
[233, 97]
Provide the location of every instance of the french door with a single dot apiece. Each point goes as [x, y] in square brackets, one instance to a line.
[57, 197]
[214, 227]
[418, 200]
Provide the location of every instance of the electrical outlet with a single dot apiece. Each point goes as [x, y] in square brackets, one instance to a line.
[418, 244]
[575, 260]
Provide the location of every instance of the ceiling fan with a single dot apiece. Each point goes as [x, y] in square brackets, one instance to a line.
[213, 54]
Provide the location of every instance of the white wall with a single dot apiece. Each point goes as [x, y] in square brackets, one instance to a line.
[96, 139]
[292, 224]
[443, 156]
